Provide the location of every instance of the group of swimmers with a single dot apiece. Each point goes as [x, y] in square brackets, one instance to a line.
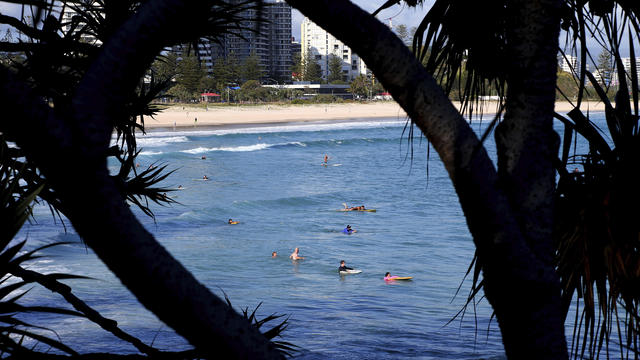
[295, 255]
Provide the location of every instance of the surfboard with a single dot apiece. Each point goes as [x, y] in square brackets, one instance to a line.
[365, 210]
[401, 278]
[176, 189]
[201, 179]
[234, 222]
[354, 271]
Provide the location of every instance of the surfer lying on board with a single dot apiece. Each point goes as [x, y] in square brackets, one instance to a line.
[353, 208]
[295, 255]
[343, 266]
[388, 276]
[349, 230]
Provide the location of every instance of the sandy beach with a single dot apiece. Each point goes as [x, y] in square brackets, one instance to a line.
[217, 115]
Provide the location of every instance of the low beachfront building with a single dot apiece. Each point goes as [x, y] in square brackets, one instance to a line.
[309, 90]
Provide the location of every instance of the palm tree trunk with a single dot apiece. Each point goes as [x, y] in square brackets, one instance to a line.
[521, 286]
[527, 148]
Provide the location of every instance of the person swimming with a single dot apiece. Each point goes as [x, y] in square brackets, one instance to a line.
[295, 255]
[348, 230]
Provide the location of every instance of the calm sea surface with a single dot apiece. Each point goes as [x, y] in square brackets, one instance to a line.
[270, 179]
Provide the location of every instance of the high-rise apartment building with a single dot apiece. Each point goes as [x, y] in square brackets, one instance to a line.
[271, 43]
[569, 64]
[626, 62]
[321, 45]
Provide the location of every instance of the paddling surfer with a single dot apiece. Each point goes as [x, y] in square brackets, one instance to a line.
[343, 266]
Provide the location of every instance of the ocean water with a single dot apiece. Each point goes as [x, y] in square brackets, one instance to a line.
[270, 179]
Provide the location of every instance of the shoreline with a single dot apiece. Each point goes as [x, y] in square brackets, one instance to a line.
[243, 115]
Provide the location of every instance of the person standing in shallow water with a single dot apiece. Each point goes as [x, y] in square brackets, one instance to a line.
[295, 255]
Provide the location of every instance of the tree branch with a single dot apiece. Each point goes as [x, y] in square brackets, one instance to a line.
[511, 270]
[70, 145]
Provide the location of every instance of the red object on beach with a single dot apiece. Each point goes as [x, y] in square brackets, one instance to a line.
[210, 94]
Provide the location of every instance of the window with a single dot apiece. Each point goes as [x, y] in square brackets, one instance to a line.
[345, 57]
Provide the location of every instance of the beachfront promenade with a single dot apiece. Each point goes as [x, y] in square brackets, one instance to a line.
[216, 115]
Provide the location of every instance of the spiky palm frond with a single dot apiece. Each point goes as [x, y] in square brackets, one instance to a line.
[55, 52]
[597, 233]
[286, 348]
[14, 211]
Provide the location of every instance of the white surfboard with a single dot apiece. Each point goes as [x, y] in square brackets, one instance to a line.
[354, 271]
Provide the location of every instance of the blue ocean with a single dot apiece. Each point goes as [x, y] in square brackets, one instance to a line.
[271, 179]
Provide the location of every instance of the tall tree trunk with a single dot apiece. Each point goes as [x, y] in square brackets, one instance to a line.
[69, 146]
[521, 282]
[527, 148]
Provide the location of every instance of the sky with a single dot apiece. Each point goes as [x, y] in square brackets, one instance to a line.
[398, 14]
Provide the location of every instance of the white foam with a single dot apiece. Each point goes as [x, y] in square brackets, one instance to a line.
[150, 153]
[157, 141]
[244, 148]
[301, 127]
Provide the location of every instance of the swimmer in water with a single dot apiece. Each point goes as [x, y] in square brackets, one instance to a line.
[348, 230]
[295, 255]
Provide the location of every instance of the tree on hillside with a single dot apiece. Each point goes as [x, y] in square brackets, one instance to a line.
[226, 71]
[250, 68]
[165, 67]
[335, 69]
[360, 86]
[297, 67]
[403, 33]
[312, 70]
[511, 209]
[189, 74]
[605, 68]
